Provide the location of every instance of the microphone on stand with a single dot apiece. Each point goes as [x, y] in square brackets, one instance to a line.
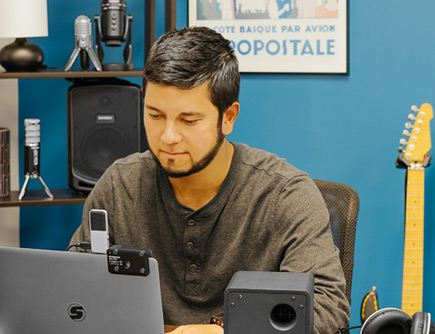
[83, 44]
[113, 22]
[31, 155]
[113, 28]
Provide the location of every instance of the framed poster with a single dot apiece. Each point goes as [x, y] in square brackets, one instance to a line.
[288, 36]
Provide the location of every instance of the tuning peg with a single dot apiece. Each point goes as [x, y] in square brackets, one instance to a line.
[400, 149]
[411, 117]
[403, 141]
[405, 133]
[414, 108]
[408, 125]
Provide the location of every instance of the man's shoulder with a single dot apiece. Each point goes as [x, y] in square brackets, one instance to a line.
[128, 172]
[266, 162]
[132, 160]
[132, 165]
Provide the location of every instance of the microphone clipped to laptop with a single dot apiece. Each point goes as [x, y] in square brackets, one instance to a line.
[120, 259]
[99, 231]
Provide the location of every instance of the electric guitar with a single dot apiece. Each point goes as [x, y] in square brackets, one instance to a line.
[415, 158]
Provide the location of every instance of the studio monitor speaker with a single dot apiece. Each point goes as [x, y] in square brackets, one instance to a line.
[269, 302]
[105, 123]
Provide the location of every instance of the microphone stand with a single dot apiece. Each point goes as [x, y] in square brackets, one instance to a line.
[127, 50]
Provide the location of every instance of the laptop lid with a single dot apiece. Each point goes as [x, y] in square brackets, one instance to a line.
[52, 292]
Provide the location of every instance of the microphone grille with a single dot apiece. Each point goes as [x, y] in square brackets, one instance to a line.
[83, 25]
[32, 131]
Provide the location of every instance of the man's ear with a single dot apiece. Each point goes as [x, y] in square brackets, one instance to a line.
[229, 117]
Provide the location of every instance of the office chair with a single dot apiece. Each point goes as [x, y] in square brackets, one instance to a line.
[343, 205]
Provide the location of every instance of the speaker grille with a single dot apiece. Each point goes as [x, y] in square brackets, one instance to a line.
[100, 147]
[98, 221]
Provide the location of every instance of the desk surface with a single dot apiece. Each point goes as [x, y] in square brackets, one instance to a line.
[169, 328]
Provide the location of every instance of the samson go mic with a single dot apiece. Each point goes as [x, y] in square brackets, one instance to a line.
[83, 44]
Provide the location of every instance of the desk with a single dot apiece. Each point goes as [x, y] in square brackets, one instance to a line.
[169, 328]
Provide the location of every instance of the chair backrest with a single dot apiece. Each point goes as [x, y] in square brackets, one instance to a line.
[343, 205]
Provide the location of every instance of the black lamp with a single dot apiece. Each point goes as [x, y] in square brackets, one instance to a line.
[21, 19]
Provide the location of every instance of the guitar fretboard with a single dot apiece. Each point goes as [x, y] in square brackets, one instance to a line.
[412, 289]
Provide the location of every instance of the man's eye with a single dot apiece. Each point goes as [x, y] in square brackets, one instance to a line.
[190, 122]
[155, 116]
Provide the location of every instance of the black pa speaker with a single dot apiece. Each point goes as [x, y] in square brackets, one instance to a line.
[269, 303]
[105, 123]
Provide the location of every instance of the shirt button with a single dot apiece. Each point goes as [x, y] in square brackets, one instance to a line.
[190, 245]
[191, 222]
[193, 268]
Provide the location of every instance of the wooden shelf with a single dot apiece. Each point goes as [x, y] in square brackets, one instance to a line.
[60, 73]
[40, 198]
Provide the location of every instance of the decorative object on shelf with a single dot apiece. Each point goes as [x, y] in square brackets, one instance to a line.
[5, 187]
[114, 28]
[31, 155]
[21, 19]
[83, 44]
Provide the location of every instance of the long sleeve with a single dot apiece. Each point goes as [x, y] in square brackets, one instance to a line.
[309, 247]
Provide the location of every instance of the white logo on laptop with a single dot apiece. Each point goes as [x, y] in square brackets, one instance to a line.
[76, 312]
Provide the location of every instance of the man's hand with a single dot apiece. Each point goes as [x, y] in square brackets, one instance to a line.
[198, 329]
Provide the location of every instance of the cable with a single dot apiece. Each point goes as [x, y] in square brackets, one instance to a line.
[82, 245]
[345, 330]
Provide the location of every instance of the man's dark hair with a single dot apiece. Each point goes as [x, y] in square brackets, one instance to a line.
[188, 57]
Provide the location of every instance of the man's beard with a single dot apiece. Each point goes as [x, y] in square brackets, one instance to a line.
[196, 166]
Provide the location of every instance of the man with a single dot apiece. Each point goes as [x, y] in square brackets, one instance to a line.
[207, 207]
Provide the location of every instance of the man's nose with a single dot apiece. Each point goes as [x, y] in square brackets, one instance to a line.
[170, 134]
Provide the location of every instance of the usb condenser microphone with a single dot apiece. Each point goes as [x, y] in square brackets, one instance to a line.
[113, 28]
[113, 22]
[32, 128]
[99, 231]
[83, 44]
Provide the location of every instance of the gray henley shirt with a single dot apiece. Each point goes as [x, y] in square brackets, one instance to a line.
[267, 216]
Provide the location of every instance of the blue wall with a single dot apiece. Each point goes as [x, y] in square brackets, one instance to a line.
[341, 128]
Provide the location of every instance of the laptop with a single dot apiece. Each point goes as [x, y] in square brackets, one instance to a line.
[52, 292]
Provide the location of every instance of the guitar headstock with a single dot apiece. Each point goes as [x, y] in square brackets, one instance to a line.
[418, 134]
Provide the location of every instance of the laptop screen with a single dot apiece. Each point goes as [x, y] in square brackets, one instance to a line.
[51, 292]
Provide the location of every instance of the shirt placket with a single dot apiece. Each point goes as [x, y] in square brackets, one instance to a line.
[191, 242]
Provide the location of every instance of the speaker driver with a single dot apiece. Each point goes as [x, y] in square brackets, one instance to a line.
[282, 317]
[102, 146]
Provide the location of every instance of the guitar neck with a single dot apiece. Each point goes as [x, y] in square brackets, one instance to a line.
[412, 289]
